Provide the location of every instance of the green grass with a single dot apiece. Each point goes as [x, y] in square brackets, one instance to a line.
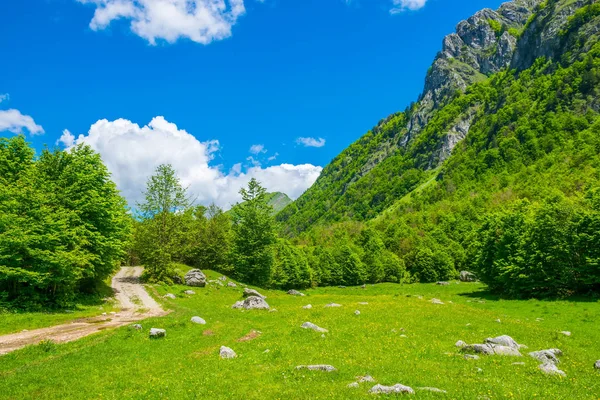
[126, 364]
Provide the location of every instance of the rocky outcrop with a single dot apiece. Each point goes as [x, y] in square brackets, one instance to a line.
[196, 278]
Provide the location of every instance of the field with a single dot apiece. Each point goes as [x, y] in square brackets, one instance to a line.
[399, 337]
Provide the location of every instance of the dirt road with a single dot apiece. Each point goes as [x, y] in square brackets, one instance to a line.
[136, 304]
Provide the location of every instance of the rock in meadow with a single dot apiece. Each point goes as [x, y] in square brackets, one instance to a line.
[566, 333]
[597, 365]
[471, 357]
[518, 363]
[310, 325]
[486, 349]
[397, 388]
[436, 301]
[442, 283]
[252, 292]
[195, 278]
[226, 353]
[216, 282]
[157, 333]
[198, 320]
[356, 312]
[307, 307]
[551, 369]
[503, 340]
[363, 286]
[252, 303]
[333, 305]
[231, 284]
[295, 293]
[363, 303]
[189, 292]
[366, 378]
[223, 278]
[431, 389]
[460, 344]
[466, 276]
[549, 356]
[170, 296]
[319, 367]
[137, 327]
[506, 351]
[353, 385]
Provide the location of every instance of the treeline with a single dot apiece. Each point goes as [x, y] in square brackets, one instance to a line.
[63, 225]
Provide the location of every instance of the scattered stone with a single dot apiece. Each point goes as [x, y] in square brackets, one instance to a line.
[547, 356]
[252, 292]
[363, 303]
[310, 325]
[486, 349]
[320, 367]
[323, 336]
[157, 333]
[366, 378]
[226, 353]
[353, 385]
[252, 303]
[331, 305]
[307, 307]
[566, 333]
[198, 320]
[223, 278]
[436, 301]
[539, 319]
[518, 363]
[403, 336]
[169, 296]
[471, 357]
[503, 340]
[295, 293]
[460, 344]
[195, 278]
[506, 351]
[551, 369]
[231, 284]
[442, 283]
[364, 286]
[478, 370]
[466, 276]
[597, 364]
[342, 287]
[468, 324]
[216, 282]
[267, 351]
[431, 389]
[397, 388]
[498, 321]
[137, 327]
[356, 312]
[189, 292]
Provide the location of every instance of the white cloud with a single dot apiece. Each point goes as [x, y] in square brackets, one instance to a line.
[67, 139]
[4, 97]
[201, 21]
[132, 153]
[257, 149]
[273, 157]
[13, 121]
[404, 5]
[311, 142]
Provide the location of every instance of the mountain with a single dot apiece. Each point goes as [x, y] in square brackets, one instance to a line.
[524, 46]
[277, 200]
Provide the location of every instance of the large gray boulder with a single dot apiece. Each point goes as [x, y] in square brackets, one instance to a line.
[252, 303]
[310, 325]
[252, 292]
[156, 333]
[466, 276]
[397, 388]
[195, 278]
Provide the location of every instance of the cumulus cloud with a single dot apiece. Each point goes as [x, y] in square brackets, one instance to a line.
[201, 21]
[407, 5]
[257, 149]
[15, 122]
[67, 139]
[132, 153]
[311, 142]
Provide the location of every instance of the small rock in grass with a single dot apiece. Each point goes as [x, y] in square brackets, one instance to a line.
[403, 336]
[483, 349]
[366, 378]
[363, 303]
[498, 321]
[356, 312]
[103, 313]
[323, 336]
[478, 370]
[551, 369]
[198, 320]
[436, 301]
[597, 364]
[157, 333]
[503, 340]
[506, 351]
[466, 276]
[518, 363]
[431, 389]
[231, 284]
[307, 307]
[420, 297]
[223, 278]
[364, 286]
[319, 367]
[295, 293]
[342, 287]
[353, 385]
[170, 296]
[137, 327]
[539, 319]
[460, 344]
[331, 305]
[468, 324]
[471, 357]
[226, 352]
[397, 388]
[216, 282]
[310, 325]
[252, 292]
[441, 283]
[252, 303]
[566, 333]
[189, 292]
[267, 351]
[547, 356]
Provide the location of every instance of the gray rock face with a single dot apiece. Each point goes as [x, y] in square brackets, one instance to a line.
[486, 349]
[195, 278]
[198, 320]
[506, 351]
[231, 284]
[252, 303]
[223, 278]
[310, 325]
[295, 293]
[226, 353]
[397, 388]
[502, 345]
[156, 333]
[566, 333]
[189, 292]
[319, 367]
[170, 296]
[252, 292]
[466, 276]
[333, 305]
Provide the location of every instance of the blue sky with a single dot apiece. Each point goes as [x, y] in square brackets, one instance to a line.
[301, 78]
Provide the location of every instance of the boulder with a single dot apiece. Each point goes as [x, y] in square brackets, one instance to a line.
[551, 369]
[157, 333]
[189, 292]
[310, 325]
[195, 278]
[436, 301]
[307, 307]
[353, 385]
[198, 320]
[332, 305]
[431, 389]
[460, 344]
[566, 333]
[503, 340]
[466, 276]
[231, 284]
[295, 293]
[252, 303]
[506, 351]
[170, 296]
[252, 292]
[226, 353]
[549, 356]
[319, 367]
[441, 283]
[397, 388]
[366, 378]
[486, 349]
[597, 365]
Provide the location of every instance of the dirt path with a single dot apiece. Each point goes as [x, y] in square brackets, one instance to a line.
[136, 304]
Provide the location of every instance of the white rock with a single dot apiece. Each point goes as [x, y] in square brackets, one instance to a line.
[295, 293]
[252, 292]
[226, 352]
[198, 320]
[307, 307]
[566, 333]
[460, 344]
[436, 301]
[366, 378]
[170, 296]
[231, 284]
[252, 303]
[547, 356]
[310, 325]
[503, 340]
[137, 327]
[363, 303]
[319, 367]
[353, 385]
[189, 292]
[551, 369]
[157, 333]
[332, 305]
[195, 278]
[597, 364]
[356, 312]
[397, 388]
[471, 357]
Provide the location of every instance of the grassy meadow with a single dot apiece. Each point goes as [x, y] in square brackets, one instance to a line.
[399, 337]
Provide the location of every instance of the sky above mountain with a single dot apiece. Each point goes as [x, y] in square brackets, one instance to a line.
[224, 90]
